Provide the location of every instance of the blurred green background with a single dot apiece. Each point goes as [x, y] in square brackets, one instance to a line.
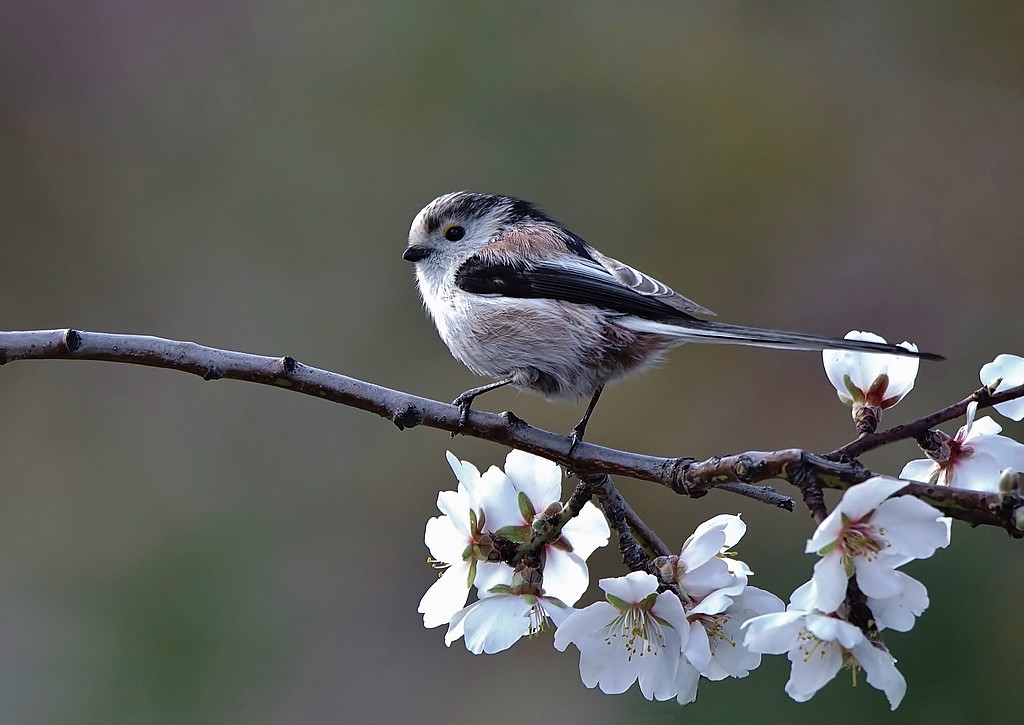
[243, 174]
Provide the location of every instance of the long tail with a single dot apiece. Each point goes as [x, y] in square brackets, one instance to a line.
[722, 333]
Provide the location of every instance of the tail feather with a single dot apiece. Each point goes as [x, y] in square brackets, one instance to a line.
[723, 333]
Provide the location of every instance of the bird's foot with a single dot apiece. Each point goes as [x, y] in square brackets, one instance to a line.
[575, 438]
[463, 403]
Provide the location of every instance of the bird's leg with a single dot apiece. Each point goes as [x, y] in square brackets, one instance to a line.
[580, 428]
[465, 401]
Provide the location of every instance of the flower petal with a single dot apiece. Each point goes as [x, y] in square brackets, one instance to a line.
[1009, 369]
[444, 540]
[698, 646]
[980, 472]
[899, 612]
[668, 608]
[687, 679]
[861, 499]
[539, 478]
[827, 533]
[921, 470]
[875, 578]
[912, 527]
[446, 596]
[828, 583]
[565, 575]
[583, 622]
[814, 665]
[830, 629]
[587, 531]
[982, 427]
[498, 500]
[496, 623]
[715, 575]
[632, 588]
[880, 668]
[699, 549]
[466, 473]
[773, 633]
[490, 574]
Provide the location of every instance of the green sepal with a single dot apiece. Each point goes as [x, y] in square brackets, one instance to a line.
[620, 604]
[663, 622]
[648, 601]
[855, 393]
[526, 507]
[515, 534]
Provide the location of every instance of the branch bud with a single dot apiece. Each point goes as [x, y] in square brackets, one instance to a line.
[866, 417]
[936, 445]
[1009, 482]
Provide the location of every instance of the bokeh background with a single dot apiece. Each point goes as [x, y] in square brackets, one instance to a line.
[243, 174]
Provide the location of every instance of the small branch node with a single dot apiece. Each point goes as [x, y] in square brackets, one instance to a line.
[72, 341]
[512, 420]
[213, 373]
[288, 366]
[408, 416]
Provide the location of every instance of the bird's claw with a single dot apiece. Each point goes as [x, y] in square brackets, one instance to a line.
[463, 406]
[575, 438]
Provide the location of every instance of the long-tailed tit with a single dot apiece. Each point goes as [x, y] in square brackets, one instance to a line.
[519, 298]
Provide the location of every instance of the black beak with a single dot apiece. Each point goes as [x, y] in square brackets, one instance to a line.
[415, 254]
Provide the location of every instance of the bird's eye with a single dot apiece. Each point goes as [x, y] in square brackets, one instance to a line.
[454, 233]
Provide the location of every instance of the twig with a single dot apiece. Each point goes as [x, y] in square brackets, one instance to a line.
[916, 428]
[615, 507]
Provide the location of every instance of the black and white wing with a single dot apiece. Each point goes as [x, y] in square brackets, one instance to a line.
[646, 285]
[572, 279]
[589, 282]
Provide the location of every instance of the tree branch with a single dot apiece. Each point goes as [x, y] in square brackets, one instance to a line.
[916, 428]
[739, 473]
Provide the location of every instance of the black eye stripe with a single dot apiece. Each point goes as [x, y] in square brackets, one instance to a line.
[454, 233]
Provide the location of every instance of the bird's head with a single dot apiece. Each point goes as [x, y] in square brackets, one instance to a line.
[454, 227]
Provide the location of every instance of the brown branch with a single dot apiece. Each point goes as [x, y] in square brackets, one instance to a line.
[615, 508]
[403, 409]
[916, 428]
[738, 473]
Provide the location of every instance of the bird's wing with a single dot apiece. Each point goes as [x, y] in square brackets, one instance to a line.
[587, 282]
[648, 286]
[577, 280]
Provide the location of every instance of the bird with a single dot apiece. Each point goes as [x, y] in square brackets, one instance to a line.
[519, 298]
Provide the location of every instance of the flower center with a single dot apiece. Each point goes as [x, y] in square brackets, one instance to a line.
[859, 538]
[640, 630]
[811, 645]
[714, 625]
[539, 619]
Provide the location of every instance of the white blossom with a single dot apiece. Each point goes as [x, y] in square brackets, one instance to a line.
[636, 635]
[977, 457]
[870, 534]
[873, 379]
[459, 544]
[503, 615]
[899, 611]
[533, 495]
[716, 623]
[818, 646]
[1006, 371]
[704, 564]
